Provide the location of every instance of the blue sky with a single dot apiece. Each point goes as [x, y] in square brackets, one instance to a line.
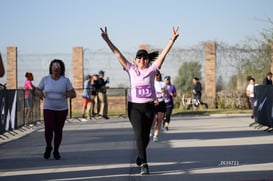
[55, 26]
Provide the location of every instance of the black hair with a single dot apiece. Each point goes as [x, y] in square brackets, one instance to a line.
[29, 76]
[252, 79]
[159, 75]
[143, 53]
[153, 55]
[61, 64]
[248, 78]
[196, 78]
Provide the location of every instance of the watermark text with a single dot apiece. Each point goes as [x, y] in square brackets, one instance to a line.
[225, 163]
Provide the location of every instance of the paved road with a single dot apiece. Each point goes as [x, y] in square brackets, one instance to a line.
[207, 148]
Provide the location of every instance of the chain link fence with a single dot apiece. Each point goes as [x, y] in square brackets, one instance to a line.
[234, 63]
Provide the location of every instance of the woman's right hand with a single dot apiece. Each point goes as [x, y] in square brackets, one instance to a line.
[175, 33]
[39, 93]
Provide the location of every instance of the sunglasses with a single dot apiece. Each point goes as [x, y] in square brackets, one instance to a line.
[142, 56]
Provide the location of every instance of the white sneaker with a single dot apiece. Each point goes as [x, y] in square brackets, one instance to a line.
[155, 138]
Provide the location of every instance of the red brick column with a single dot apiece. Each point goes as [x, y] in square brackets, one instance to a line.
[12, 68]
[77, 67]
[210, 82]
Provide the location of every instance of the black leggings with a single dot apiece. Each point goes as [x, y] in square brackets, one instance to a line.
[168, 114]
[141, 116]
[54, 123]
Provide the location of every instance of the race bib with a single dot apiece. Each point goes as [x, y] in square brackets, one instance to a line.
[144, 91]
[159, 95]
[167, 99]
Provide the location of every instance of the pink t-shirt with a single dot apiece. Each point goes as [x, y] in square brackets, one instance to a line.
[27, 88]
[141, 83]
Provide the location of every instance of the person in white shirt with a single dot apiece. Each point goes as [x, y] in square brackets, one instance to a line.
[160, 108]
[250, 94]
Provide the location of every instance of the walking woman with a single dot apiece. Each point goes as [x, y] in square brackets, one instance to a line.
[141, 96]
[55, 88]
[28, 97]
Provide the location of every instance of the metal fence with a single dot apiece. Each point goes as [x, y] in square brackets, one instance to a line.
[230, 60]
[12, 107]
[116, 98]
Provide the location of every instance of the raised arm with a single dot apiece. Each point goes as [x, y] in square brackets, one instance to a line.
[159, 61]
[122, 60]
[2, 69]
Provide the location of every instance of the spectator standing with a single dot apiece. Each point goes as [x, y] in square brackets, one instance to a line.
[197, 93]
[95, 87]
[28, 97]
[86, 97]
[169, 101]
[141, 96]
[268, 79]
[55, 88]
[102, 96]
[250, 94]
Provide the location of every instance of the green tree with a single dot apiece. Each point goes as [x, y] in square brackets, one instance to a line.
[232, 84]
[257, 62]
[220, 84]
[267, 33]
[188, 70]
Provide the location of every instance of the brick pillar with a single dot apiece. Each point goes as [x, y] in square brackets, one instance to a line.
[12, 67]
[77, 67]
[145, 47]
[210, 82]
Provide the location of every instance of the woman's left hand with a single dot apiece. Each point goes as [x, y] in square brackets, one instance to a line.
[104, 33]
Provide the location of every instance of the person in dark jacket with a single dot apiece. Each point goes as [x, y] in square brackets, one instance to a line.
[268, 79]
[197, 93]
[102, 96]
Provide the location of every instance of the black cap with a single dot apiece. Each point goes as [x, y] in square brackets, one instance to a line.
[167, 77]
[88, 77]
[101, 72]
[142, 53]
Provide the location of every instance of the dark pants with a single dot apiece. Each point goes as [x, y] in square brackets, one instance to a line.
[141, 116]
[252, 100]
[168, 114]
[54, 123]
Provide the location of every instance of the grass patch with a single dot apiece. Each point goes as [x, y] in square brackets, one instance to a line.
[181, 112]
